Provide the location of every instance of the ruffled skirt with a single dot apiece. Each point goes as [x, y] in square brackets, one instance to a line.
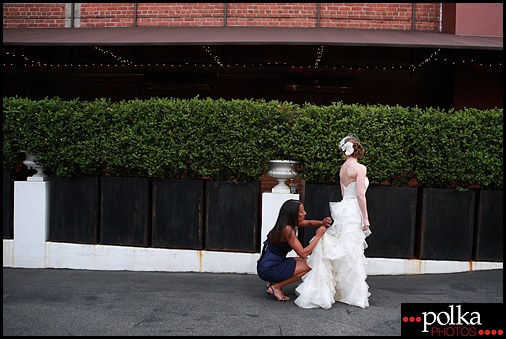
[337, 262]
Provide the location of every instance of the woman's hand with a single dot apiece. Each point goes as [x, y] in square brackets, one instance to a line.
[327, 221]
[366, 227]
[320, 231]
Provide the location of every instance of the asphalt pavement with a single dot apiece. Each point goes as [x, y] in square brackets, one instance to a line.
[82, 302]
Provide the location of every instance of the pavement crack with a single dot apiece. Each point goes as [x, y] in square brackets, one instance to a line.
[143, 320]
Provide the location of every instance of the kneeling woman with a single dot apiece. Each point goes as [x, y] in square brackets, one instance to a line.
[273, 266]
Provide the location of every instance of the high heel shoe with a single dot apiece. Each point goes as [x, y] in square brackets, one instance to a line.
[269, 294]
[267, 286]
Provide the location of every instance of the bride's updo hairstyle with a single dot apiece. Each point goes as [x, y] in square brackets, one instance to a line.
[358, 149]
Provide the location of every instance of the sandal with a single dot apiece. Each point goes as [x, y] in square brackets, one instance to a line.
[269, 294]
[270, 284]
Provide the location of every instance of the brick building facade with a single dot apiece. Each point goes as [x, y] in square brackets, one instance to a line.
[337, 15]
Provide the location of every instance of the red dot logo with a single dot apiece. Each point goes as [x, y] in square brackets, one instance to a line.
[488, 332]
[411, 319]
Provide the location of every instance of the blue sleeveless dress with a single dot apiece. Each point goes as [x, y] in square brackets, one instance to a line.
[274, 266]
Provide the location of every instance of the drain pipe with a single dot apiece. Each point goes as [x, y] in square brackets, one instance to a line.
[318, 22]
[413, 17]
[72, 15]
[135, 14]
[225, 15]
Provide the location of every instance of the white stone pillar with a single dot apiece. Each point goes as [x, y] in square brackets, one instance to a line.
[271, 204]
[31, 223]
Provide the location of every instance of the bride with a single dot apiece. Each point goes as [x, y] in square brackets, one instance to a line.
[337, 262]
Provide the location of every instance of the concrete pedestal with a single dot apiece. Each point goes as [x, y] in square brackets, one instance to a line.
[31, 223]
[271, 204]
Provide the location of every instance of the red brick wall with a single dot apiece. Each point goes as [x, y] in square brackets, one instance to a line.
[380, 15]
[347, 15]
[34, 15]
[269, 182]
[180, 14]
[106, 15]
[272, 14]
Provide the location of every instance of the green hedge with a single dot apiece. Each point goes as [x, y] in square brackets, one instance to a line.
[234, 139]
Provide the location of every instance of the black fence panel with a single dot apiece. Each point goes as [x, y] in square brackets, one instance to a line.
[125, 211]
[8, 206]
[232, 216]
[74, 209]
[178, 213]
[392, 214]
[446, 224]
[489, 226]
[438, 224]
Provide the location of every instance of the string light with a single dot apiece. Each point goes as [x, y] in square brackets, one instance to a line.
[214, 56]
[120, 59]
[426, 60]
[24, 57]
[318, 56]
[125, 62]
[433, 57]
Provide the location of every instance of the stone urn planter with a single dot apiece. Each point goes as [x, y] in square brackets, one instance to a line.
[282, 170]
[30, 163]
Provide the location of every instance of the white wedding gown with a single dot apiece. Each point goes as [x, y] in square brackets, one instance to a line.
[338, 262]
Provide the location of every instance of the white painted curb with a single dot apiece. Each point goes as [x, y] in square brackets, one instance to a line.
[107, 257]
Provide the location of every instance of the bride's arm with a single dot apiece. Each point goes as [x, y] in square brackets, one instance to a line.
[362, 202]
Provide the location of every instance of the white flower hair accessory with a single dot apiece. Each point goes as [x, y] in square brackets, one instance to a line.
[351, 136]
[348, 148]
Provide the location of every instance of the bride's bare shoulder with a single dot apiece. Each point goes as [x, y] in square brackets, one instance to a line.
[359, 168]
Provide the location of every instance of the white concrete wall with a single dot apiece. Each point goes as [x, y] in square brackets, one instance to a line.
[107, 257]
[31, 249]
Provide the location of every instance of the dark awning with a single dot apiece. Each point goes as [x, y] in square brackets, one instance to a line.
[245, 36]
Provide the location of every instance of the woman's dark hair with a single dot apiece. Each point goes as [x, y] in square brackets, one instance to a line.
[288, 215]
